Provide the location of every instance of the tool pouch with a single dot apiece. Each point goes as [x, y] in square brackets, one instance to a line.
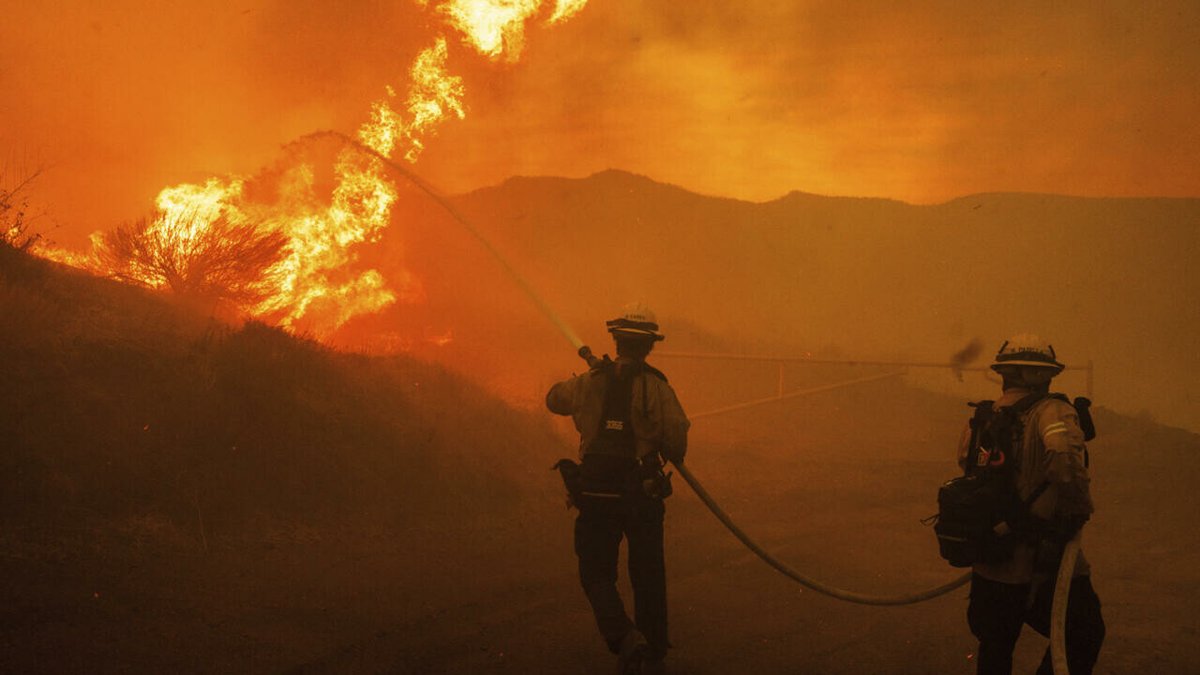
[658, 487]
[652, 481]
[572, 478]
[608, 475]
[966, 523]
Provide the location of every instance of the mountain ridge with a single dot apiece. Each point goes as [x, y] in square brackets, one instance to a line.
[1099, 277]
[613, 176]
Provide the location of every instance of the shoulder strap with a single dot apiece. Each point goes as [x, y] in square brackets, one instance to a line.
[654, 371]
[1021, 407]
[615, 433]
[1028, 401]
[983, 414]
[1037, 492]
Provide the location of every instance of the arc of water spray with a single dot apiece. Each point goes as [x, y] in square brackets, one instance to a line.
[436, 196]
[697, 487]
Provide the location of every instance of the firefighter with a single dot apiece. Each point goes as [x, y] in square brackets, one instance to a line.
[1050, 469]
[630, 422]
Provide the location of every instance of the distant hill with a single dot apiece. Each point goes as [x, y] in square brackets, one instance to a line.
[1111, 280]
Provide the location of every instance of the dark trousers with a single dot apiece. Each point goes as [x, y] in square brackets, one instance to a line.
[598, 531]
[997, 611]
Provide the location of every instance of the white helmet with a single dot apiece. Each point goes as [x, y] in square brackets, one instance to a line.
[636, 320]
[1027, 349]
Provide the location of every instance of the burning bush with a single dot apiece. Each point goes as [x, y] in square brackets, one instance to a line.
[193, 254]
[14, 226]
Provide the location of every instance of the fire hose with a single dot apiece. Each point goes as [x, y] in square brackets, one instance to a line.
[1058, 612]
[806, 581]
[783, 568]
[1058, 608]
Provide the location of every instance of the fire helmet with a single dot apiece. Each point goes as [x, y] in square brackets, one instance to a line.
[1027, 349]
[636, 320]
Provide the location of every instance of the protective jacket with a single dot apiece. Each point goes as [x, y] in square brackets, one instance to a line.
[1052, 451]
[659, 423]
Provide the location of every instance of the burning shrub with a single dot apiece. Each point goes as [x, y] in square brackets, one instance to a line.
[14, 227]
[193, 254]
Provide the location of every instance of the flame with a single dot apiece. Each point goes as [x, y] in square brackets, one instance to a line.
[185, 211]
[492, 27]
[433, 95]
[497, 27]
[565, 9]
[440, 339]
[312, 286]
[83, 261]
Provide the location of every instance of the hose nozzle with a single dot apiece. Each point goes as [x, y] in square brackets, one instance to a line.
[585, 353]
[593, 361]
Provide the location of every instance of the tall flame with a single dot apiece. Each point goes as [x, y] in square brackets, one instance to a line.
[433, 94]
[492, 27]
[565, 9]
[497, 27]
[312, 285]
[311, 281]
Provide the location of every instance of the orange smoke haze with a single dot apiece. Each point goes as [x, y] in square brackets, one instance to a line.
[922, 102]
[301, 289]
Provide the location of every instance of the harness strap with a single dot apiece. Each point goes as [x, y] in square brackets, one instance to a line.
[1033, 496]
[983, 414]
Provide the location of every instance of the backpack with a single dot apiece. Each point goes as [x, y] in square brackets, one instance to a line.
[611, 469]
[981, 516]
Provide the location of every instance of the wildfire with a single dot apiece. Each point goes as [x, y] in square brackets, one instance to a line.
[496, 27]
[491, 26]
[433, 95]
[310, 285]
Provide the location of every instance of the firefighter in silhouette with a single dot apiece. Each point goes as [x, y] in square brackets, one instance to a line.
[1046, 466]
[630, 422]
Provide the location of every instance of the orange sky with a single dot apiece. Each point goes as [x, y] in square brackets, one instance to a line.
[922, 103]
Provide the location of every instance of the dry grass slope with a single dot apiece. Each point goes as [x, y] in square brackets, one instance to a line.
[120, 403]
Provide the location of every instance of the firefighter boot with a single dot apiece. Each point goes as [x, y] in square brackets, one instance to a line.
[632, 653]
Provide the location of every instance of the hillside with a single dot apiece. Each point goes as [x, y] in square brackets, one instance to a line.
[119, 402]
[1105, 280]
[182, 496]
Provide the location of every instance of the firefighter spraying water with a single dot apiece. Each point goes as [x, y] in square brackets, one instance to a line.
[639, 648]
[630, 424]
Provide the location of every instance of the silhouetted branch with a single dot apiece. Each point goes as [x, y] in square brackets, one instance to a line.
[219, 259]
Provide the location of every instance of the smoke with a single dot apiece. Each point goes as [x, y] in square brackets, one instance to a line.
[965, 356]
[922, 102]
